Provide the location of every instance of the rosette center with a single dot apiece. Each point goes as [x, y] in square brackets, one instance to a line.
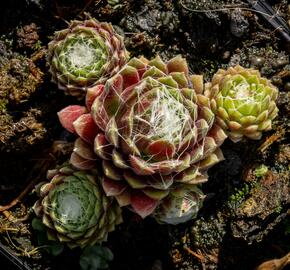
[70, 208]
[166, 118]
[83, 54]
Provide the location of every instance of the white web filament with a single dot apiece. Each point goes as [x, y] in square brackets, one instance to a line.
[69, 208]
[167, 117]
[243, 91]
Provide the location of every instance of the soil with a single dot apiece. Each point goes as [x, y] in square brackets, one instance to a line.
[245, 219]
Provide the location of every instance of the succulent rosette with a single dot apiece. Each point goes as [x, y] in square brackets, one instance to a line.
[152, 128]
[181, 205]
[86, 53]
[243, 101]
[75, 209]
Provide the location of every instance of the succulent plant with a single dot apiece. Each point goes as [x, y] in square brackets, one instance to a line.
[243, 101]
[86, 53]
[115, 3]
[153, 129]
[181, 205]
[75, 209]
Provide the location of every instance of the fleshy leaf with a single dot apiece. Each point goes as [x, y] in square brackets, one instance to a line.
[140, 166]
[113, 188]
[86, 128]
[130, 76]
[177, 64]
[92, 93]
[84, 149]
[142, 204]
[70, 114]
[161, 150]
[81, 163]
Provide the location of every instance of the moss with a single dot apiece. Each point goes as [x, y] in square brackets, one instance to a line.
[261, 171]
[207, 233]
[240, 194]
[18, 135]
[278, 209]
[3, 104]
[37, 46]
[20, 78]
[27, 37]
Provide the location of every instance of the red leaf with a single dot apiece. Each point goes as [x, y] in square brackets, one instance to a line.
[86, 128]
[102, 147]
[124, 198]
[81, 163]
[111, 95]
[84, 149]
[92, 93]
[142, 204]
[113, 187]
[69, 114]
[140, 166]
[161, 150]
[130, 76]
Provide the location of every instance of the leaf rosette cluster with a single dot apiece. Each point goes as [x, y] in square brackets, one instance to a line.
[152, 128]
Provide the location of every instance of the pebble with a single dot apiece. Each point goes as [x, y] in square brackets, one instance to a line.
[157, 265]
[239, 24]
[277, 80]
[280, 62]
[226, 54]
[287, 87]
[257, 61]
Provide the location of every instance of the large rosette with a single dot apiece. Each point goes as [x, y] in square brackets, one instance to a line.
[153, 129]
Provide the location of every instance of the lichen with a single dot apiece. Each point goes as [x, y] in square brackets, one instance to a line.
[18, 135]
[20, 78]
[28, 37]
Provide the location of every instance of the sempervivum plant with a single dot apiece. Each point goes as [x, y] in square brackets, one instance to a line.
[181, 205]
[243, 101]
[153, 129]
[86, 53]
[75, 209]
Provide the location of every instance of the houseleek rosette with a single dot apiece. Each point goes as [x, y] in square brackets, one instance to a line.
[181, 205]
[153, 129]
[243, 101]
[75, 209]
[86, 53]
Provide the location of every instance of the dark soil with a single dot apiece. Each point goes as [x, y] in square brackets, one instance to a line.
[245, 220]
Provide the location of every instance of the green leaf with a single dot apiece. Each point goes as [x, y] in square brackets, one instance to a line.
[287, 228]
[38, 225]
[42, 238]
[95, 257]
[55, 248]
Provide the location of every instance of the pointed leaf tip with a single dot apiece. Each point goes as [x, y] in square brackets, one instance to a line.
[178, 64]
[142, 204]
[86, 128]
[112, 187]
[70, 114]
[92, 93]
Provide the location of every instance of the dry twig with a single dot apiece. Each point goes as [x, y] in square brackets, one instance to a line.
[276, 264]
